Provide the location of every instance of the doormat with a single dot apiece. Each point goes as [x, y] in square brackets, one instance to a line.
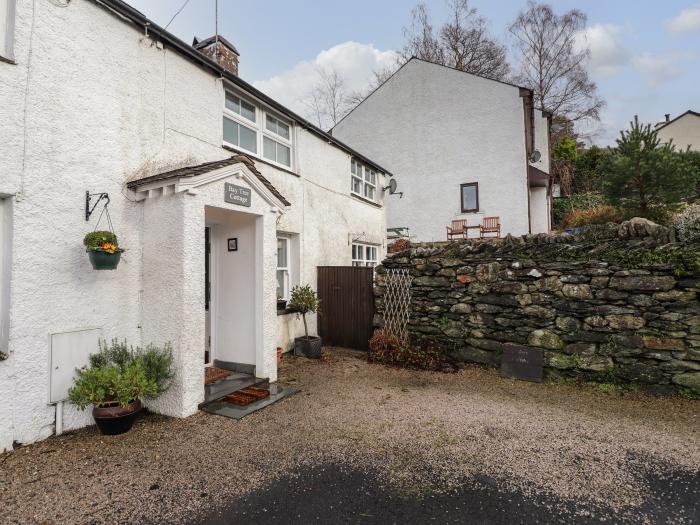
[235, 411]
[212, 373]
[246, 396]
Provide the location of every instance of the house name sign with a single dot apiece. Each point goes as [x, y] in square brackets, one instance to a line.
[236, 194]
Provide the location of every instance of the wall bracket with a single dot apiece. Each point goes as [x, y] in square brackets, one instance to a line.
[88, 198]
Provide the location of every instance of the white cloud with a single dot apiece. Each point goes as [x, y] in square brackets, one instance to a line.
[608, 53]
[658, 69]
[687, 20]
[354, 62]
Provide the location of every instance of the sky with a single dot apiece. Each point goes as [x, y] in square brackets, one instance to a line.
[645, 54]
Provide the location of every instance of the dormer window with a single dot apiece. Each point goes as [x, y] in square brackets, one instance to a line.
[251, 127]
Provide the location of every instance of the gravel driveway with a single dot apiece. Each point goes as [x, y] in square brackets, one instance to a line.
[364, 443]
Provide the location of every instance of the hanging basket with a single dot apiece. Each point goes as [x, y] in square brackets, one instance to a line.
[104, 260]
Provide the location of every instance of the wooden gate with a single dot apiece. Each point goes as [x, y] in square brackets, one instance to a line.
[347, 305]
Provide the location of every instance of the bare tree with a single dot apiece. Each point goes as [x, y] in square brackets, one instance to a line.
[379, 76]
[463, 42]
[328, 100]
[551, 65]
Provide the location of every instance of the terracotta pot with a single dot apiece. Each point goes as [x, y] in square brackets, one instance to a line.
[104, 260]
[114, 419]
[280, 351]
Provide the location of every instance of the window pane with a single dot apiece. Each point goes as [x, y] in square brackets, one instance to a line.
[233, 103]
[269, 149]
[281, 281]
[357, 185]
[247, 111]
[369, 191]
[469, 197]
[248, 139]
[353, 167]
[281, 253]
[230, 131]
[283, 155]
[282, 130]
[271, 124]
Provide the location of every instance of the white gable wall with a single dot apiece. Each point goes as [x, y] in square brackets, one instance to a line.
[685, 131]
[104, 105]
[436, 128]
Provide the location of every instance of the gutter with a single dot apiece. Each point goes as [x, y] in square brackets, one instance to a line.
[124, 10]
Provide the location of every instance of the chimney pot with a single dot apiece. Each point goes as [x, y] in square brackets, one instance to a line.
[668, 117]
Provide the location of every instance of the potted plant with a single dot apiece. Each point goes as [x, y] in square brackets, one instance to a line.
[116, 380]
[303, 301]
[103, 250]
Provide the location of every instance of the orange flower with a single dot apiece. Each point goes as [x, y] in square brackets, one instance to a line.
[108, 247]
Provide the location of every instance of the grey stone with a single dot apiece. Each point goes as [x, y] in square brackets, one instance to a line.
[577, 291]
[644, 283]
[689, 380]
[545, 339]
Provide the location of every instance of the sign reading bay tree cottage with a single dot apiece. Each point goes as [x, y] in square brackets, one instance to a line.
[237, 194]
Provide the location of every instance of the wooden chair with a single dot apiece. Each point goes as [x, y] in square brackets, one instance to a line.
[490, 225]
[458, 229]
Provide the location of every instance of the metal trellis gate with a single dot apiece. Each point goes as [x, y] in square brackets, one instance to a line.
[397, 303]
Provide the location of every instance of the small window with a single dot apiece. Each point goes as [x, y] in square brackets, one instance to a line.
[241, 107]
[283, 268]
[364, 255]
[363, 181]
[470, 197]
[239, 135]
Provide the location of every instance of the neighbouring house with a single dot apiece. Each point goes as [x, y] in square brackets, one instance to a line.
[460, 146]
[684, 130]
[223, 198]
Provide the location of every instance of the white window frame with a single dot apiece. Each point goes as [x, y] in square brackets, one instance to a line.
[368, 254]
[363, 175]
[278, 139]
[260, 129]
[286, 269]
[7, 31]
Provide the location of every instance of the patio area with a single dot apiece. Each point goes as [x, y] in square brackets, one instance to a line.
[466, 446]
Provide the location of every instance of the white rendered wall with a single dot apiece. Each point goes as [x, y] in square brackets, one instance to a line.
[684, 132]
[435, 128]
[104, 106]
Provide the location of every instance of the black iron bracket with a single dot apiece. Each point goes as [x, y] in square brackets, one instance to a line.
[88, 198]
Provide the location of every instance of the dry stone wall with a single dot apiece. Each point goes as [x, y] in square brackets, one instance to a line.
[613, 304]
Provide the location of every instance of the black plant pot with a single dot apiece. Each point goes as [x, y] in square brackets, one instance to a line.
[115, 419]
[307, 346]
[281, 304]
[104, 260]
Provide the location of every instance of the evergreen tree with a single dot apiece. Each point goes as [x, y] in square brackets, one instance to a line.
[645, 176]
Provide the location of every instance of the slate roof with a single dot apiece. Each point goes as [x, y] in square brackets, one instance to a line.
[689, 112]
[201, 169]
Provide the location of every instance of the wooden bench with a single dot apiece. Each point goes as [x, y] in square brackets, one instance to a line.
[490, 225]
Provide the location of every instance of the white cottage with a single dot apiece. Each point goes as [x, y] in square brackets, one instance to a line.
[223, 198]
[461, 147]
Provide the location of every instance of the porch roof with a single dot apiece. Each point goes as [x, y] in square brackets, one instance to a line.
[537, 177]
[200, 169]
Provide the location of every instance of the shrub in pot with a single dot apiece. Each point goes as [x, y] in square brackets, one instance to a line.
[304, 300]
[116, 380]
[103, 250]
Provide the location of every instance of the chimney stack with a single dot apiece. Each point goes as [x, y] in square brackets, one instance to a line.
[220, 51]
[668, 117]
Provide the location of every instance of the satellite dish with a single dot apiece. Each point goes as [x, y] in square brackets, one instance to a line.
[535, 156]
[392, 186]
